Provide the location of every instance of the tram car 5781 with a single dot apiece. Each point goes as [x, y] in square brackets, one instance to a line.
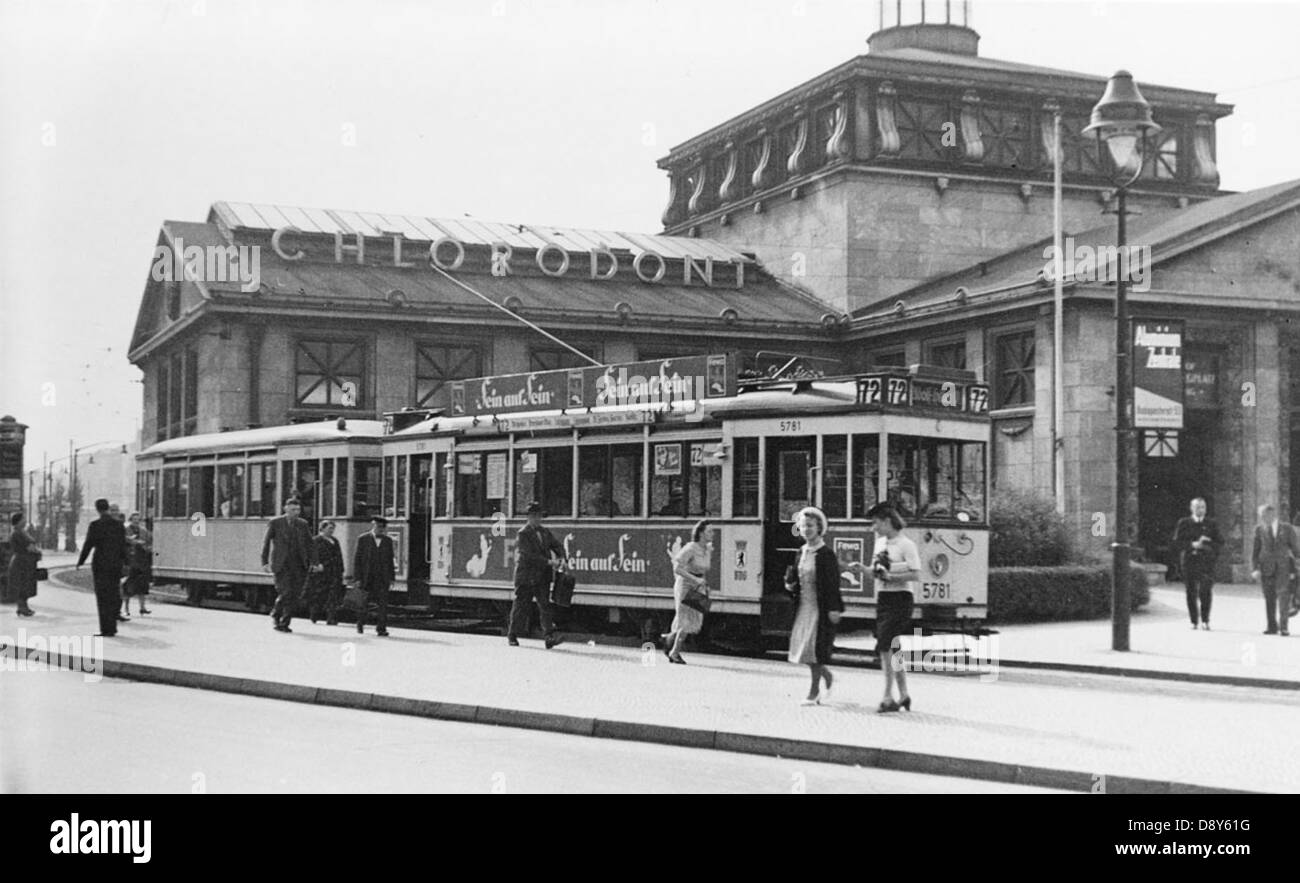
[624, 459]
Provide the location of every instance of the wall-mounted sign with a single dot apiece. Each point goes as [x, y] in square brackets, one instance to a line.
[1157, 375]
[658, 383]
[1201, 378]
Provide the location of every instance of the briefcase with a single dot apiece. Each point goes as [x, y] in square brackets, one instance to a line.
[354, 599]
[562, 590]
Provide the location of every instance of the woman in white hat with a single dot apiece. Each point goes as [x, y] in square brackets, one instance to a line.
[818, 589]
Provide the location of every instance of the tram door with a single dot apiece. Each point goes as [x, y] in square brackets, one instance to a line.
[788, 487]
[417, 568]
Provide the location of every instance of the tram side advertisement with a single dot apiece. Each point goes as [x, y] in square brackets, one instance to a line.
[621, 558]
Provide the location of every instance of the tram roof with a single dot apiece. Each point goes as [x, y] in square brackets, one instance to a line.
[268, 437]
[775, 398]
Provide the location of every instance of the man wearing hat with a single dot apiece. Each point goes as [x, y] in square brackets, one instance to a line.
[535, 550]
[288, 553]
[374, 571]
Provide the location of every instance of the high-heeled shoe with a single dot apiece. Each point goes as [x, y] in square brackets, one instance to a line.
[905, 703]
[816, 700]
[887, 706]
[676, 660]
[27, 611]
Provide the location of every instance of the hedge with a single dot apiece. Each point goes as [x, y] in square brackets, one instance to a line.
[1025, 530]
[1054, 594]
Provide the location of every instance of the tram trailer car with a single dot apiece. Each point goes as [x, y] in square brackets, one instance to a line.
[639, 453]
[209, 498]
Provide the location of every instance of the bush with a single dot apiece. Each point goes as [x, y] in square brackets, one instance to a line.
[1056, 594]
[1026, 531]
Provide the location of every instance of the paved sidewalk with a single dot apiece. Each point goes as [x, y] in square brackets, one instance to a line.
[1161, 641]
[1032, 728]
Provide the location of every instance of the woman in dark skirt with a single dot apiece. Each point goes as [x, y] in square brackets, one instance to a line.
[22, 565]
[895, 563]
[812, 637]
[139, 565]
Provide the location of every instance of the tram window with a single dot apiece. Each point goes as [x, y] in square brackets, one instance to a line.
[308, 481]
[176, 486]
[793, 487]
[201, 490]
[835, 476]
[366, 484]
[327, 488]
[544, 475]
[230, 491]
[341, 487]
[390, 473]
[609, 480]
[744, 497]
[686, 479]
[420, 467]
[401, 487]
[866, 473]
[936, 479]
[150, 502]
[261, 490]
[440, 483]
[480, 484]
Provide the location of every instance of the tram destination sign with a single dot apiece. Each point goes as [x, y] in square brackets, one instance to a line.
[657, 383]
[914, 392]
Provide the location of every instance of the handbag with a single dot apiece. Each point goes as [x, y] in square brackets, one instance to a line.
[562, 589]
[354, 598]
[697, 599]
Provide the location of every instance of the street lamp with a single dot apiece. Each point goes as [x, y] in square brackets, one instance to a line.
[1122, 121]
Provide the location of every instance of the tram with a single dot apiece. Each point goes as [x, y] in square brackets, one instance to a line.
[624, 460]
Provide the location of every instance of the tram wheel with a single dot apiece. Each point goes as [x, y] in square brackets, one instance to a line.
[194, 593]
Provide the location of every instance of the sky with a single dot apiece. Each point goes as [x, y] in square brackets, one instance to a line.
[115, 116]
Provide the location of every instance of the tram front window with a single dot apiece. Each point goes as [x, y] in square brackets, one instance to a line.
[936, 479]
[366, 488]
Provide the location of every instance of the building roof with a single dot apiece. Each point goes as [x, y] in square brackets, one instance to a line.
[763, 304]
[1168, 233]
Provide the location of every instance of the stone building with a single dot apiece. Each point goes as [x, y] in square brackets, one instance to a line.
[912, 188]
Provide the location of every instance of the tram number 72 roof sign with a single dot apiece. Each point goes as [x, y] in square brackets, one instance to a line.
[653, 384]
[911, 392]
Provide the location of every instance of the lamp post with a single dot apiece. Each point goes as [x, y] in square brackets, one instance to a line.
[1122, 121]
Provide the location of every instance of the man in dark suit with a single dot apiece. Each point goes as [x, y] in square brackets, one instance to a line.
[287, 552]
[325, 583]
[536, 549]
[1276, 549]
[1197, 543]
[373, 569]
[107, 537]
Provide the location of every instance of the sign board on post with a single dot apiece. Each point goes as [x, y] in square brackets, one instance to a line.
[1158, 375]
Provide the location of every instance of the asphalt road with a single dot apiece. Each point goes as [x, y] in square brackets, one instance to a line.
[158, 739]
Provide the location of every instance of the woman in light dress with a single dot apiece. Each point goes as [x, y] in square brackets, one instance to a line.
[812, 637]
[690, 565]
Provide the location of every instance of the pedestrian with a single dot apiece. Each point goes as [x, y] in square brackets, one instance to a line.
[139, 565]
[107, 538]
[1272, 562]
[817, 585]
[373, 568]
[537, 554]
[21, 573]
[287, 552]
[1197, 543]
[895, 565]
[325, 582]
[690, 565]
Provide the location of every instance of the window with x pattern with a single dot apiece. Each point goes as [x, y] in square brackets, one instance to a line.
[555, 358]
[330, 372]
[922, 126]
[437, 364]
[1015, 368]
